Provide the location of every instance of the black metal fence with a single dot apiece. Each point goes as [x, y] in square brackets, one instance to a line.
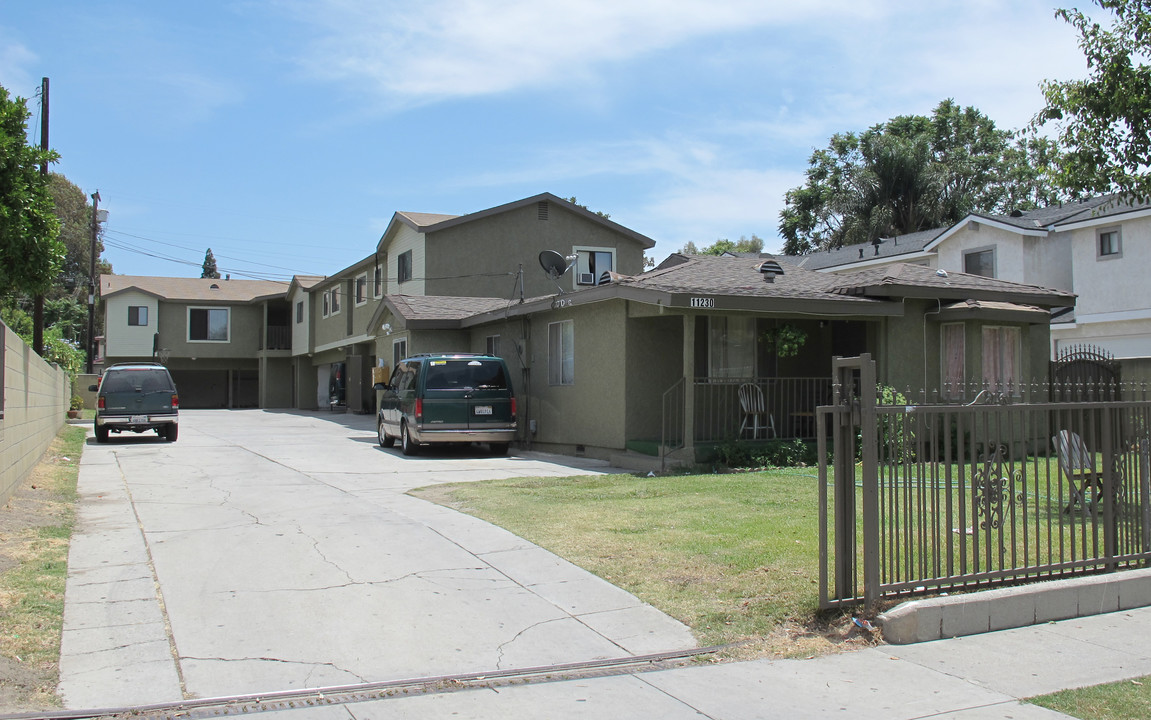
[1007, 487]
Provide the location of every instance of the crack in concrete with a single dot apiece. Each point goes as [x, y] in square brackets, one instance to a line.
[313, 665]
[501, 646]
[422, 575]
[114, 648]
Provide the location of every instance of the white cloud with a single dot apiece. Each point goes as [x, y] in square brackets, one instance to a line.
[15, 59]
[445, 48]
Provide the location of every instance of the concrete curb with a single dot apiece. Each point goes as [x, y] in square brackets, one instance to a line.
[1014, 607]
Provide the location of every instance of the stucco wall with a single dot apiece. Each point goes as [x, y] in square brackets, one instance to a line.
[654, 364]
[245, 322]
[130, 340]
[511, 239]
[36, 396]
[408, 239]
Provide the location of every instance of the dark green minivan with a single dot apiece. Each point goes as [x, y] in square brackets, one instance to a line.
[449, 398]
[135, 397]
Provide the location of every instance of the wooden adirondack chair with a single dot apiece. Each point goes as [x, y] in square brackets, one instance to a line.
[1078, 464]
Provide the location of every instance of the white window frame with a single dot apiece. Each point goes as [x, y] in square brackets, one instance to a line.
[411, 262]
[561, 353]
[332, 301]
[299, 312]
[979, 250]
[1099, 235]
[210, 309]
[360, 288]
[492, 345]
[399, 351]
[141, 310]
[583, 253]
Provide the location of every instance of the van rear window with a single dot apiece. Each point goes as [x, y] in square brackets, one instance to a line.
[136, 381]
[466, 374]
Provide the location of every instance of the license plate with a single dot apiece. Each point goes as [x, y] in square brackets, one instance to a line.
[139, 419]
[483, 409]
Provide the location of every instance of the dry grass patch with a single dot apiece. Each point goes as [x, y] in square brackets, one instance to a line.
[734, 557]
[35, 529]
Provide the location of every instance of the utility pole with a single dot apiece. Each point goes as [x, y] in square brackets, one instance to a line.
[38, 301]
[92, 281]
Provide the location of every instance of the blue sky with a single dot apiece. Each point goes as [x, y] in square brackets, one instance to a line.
[284, 134]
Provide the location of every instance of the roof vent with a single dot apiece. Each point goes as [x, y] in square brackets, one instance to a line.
[769, 269]
[214, 286]
[1017, 213]
[542, 210]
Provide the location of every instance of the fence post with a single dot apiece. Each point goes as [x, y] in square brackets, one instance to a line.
[1110, 443]
[867, 423]
[843, 439]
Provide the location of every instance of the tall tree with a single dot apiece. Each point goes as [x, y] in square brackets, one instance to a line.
[30, 250]
[1104, 121]
[210, 270]
[912, 173]
[75, 214]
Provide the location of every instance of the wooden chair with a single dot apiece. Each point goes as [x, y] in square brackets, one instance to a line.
[754, 407]
[1078, 464]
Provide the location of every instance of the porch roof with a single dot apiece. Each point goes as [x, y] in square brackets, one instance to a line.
[421, 312]
[903, 280]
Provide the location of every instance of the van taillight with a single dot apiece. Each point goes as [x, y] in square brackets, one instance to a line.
[513, 409]
[100, 402]
[419, 409]
[175, 402]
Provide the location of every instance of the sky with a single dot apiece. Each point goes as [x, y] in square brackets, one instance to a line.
[284, 134]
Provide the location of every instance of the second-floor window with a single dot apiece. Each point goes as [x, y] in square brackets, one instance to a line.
[332, 301]
[378, 282]
[592, 263]
[208, 324]
[137, 314]
[361, 289]
[299, 311]
[404, 267]
[980, 262]
[1110, 244]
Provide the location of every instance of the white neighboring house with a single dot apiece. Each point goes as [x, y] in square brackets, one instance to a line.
[1100, 249]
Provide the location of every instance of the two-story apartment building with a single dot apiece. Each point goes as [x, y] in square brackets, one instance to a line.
[1096, 249]
[226, 342]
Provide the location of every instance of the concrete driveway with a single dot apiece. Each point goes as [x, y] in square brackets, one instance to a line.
[270, 550]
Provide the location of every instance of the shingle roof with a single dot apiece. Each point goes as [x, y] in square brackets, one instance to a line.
[192, 289]
[887, 249]
[440, 307]
[423, 220]
[901, 277]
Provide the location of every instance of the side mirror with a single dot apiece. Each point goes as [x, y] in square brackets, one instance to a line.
[380, 386]
[93, 388]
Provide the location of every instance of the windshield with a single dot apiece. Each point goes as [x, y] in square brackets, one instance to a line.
[466, 374]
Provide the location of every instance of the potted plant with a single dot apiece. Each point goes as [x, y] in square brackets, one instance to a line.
[75, 407]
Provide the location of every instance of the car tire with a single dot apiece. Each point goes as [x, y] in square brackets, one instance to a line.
[101, 433]
[382, 435]
[499, 448]
[172, 432]
[407, 445]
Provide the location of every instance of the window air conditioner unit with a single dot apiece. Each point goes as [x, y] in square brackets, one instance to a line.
[587, 278]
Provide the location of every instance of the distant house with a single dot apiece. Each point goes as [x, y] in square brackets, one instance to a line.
[1098, 249]
[226, 342]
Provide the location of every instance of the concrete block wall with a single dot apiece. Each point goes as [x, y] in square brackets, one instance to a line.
[36, 396]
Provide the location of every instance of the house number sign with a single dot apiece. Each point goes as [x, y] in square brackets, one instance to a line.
[703, 302]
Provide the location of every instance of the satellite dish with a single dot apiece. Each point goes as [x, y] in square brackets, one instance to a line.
[555, 265]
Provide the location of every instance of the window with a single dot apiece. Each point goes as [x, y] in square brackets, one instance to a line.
[137, 314]
[980, 262]
[561, 353]
[378, 282]
[332, 301]
[299, 311]
[953, 347]
[492, 345]
[208, 324]
[592, 263]
[399, 351]
[1001, 355]
[731, 347]
[1110, 244]
[404, 267]
[361, 286]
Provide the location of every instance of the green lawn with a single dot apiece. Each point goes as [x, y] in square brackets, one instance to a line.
[733, 556]
[1116, 701]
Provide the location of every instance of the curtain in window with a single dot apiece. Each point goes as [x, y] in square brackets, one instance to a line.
[1001, 358]
[731, 347]
[953, 360]
[561, 353]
